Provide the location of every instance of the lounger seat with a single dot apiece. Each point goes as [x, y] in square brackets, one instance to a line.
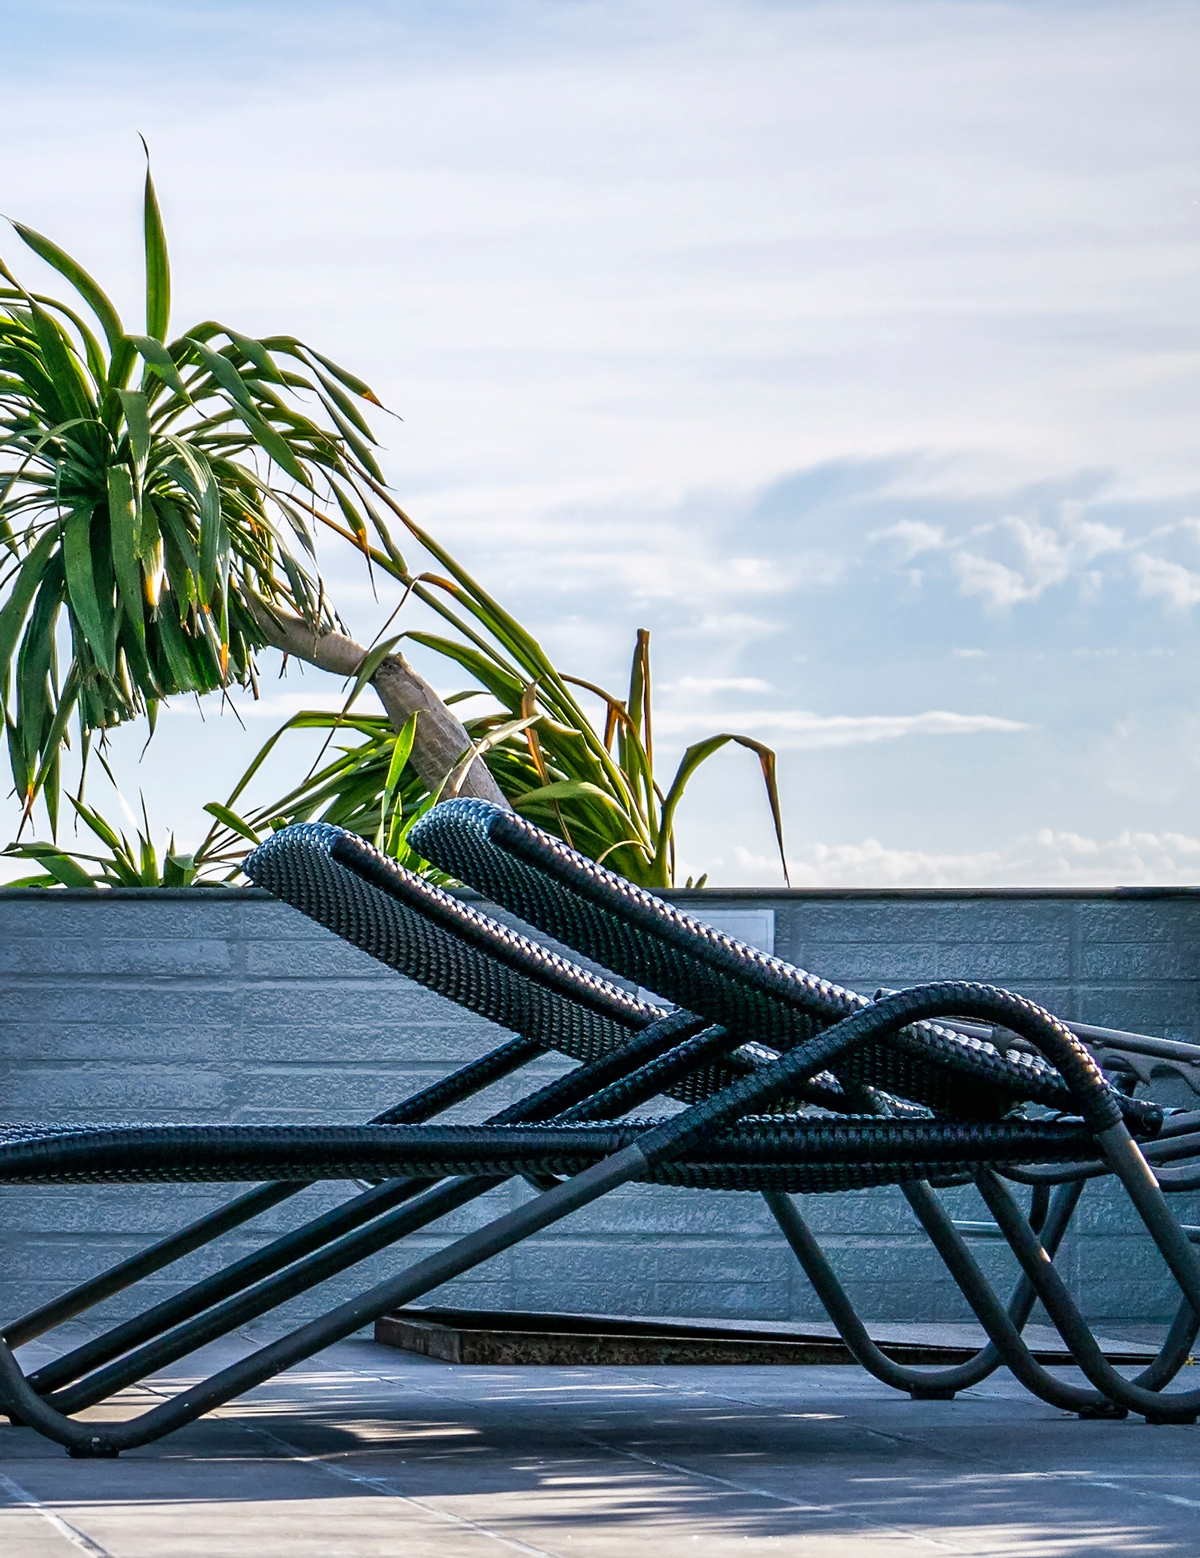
[765, 1153]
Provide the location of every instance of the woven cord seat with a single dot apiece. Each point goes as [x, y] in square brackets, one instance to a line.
[771, 1152]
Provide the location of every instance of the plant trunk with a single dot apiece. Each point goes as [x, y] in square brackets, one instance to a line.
[440, 743]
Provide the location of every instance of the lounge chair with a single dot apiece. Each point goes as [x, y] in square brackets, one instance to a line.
[630, 1051]
[896, 1047]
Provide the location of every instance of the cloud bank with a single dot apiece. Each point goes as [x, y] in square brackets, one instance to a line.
[849, 348]
[1045, 859]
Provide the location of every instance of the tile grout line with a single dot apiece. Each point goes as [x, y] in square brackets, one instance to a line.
[382, 1486]
[880, 1527]
[618, 1451]
[1121, 1484]
[71, 1533]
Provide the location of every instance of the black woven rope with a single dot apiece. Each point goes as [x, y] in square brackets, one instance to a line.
[656, 1077]
[766, 1153]
[339, 880]
[430, 936]
[761, 997]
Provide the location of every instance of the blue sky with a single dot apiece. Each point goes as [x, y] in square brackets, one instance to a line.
[854, 349]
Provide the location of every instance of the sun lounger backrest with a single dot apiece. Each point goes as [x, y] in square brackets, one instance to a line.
[626, 928]
[638, 936]
[337, 879]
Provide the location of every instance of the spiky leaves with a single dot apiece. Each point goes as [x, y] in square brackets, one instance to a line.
[145, 519]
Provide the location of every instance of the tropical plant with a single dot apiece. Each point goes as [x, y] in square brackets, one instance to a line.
[160, 494]
[125, 863]
[171, 523]
[590, 783]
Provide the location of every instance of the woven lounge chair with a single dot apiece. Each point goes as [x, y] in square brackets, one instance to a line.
[891, 1054]
[630, 1052]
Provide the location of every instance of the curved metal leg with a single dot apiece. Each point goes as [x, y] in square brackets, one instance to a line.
[1000, 1324]
[463, 1083]
[1182, 1406]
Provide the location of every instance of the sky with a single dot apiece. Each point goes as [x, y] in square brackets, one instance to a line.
[853, 349]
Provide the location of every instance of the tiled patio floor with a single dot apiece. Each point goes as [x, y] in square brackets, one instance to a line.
[365, 1451]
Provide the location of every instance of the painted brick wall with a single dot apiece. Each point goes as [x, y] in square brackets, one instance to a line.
[230, 1007]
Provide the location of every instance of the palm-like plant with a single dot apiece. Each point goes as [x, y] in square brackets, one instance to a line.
[159, 495]
[158, 505]
[590, 780]
[125, 862]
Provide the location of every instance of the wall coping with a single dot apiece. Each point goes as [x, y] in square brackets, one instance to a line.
[683, 896]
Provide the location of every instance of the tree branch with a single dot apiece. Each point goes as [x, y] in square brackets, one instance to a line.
[440, 743]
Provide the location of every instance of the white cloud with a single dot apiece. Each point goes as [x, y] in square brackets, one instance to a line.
[1046, 858]
[1000, 585]
[1042, 559]
[1093, 539]
[1022, 558]
[709, 684]
[1177, 585]
[911, 537]
[802, 729]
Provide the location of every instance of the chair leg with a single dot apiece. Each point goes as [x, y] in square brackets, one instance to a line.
[1178, 1407]
[146, 1262]
[465, 1082]
[231, 1279]
[1176, 1346]
[1002, 1325]
[171, 1330]
[91, 1439]
[252, 1303]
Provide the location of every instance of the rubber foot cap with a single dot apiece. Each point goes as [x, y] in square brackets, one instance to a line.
[1104, 1412]
[931, 1393]
[94, 1450]
[1163, 1419]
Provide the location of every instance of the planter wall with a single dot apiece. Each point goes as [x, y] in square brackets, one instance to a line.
[226, 1006]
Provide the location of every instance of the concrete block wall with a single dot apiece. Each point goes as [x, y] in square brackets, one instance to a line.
[226, 1006]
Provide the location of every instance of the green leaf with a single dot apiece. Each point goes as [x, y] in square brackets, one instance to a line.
[158, 267]
[69, 384]
[89, 290]
[568, 790]
[401, 752]
[231, 819]
[55, 862]
[137, 420]
[81, 587]
[221, 369]
[103, 831]
[123, 528]
[258, 355]
[343, 376]
[277, 447]
[691, 760]
[159, 360]
[16, 608]
[170, 637]
[178, 870]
